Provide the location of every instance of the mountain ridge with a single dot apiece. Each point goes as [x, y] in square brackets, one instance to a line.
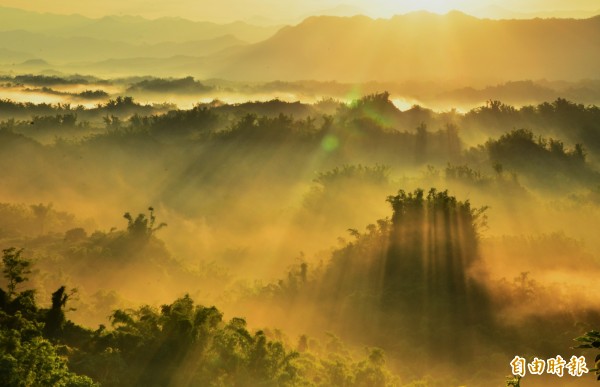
[422, 45]
[127, 28]
[414, 46]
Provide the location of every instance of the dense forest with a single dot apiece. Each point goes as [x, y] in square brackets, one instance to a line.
[340, 193]
[290, 244]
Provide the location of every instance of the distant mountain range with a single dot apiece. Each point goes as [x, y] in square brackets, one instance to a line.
[130, 29]
[84, 49]
[61, 39]
[417, 46]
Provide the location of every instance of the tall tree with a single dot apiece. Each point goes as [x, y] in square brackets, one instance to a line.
[15, 270]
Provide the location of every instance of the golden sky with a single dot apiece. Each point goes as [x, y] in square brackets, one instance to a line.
[285, 11]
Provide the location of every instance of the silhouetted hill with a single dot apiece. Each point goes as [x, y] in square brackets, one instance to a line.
[423, 46]
[166, 29]
[131, 29]
[79, 49]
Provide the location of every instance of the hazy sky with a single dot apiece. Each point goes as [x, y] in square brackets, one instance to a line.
[293, 10]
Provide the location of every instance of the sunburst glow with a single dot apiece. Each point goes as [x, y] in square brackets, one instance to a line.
[436, 6]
